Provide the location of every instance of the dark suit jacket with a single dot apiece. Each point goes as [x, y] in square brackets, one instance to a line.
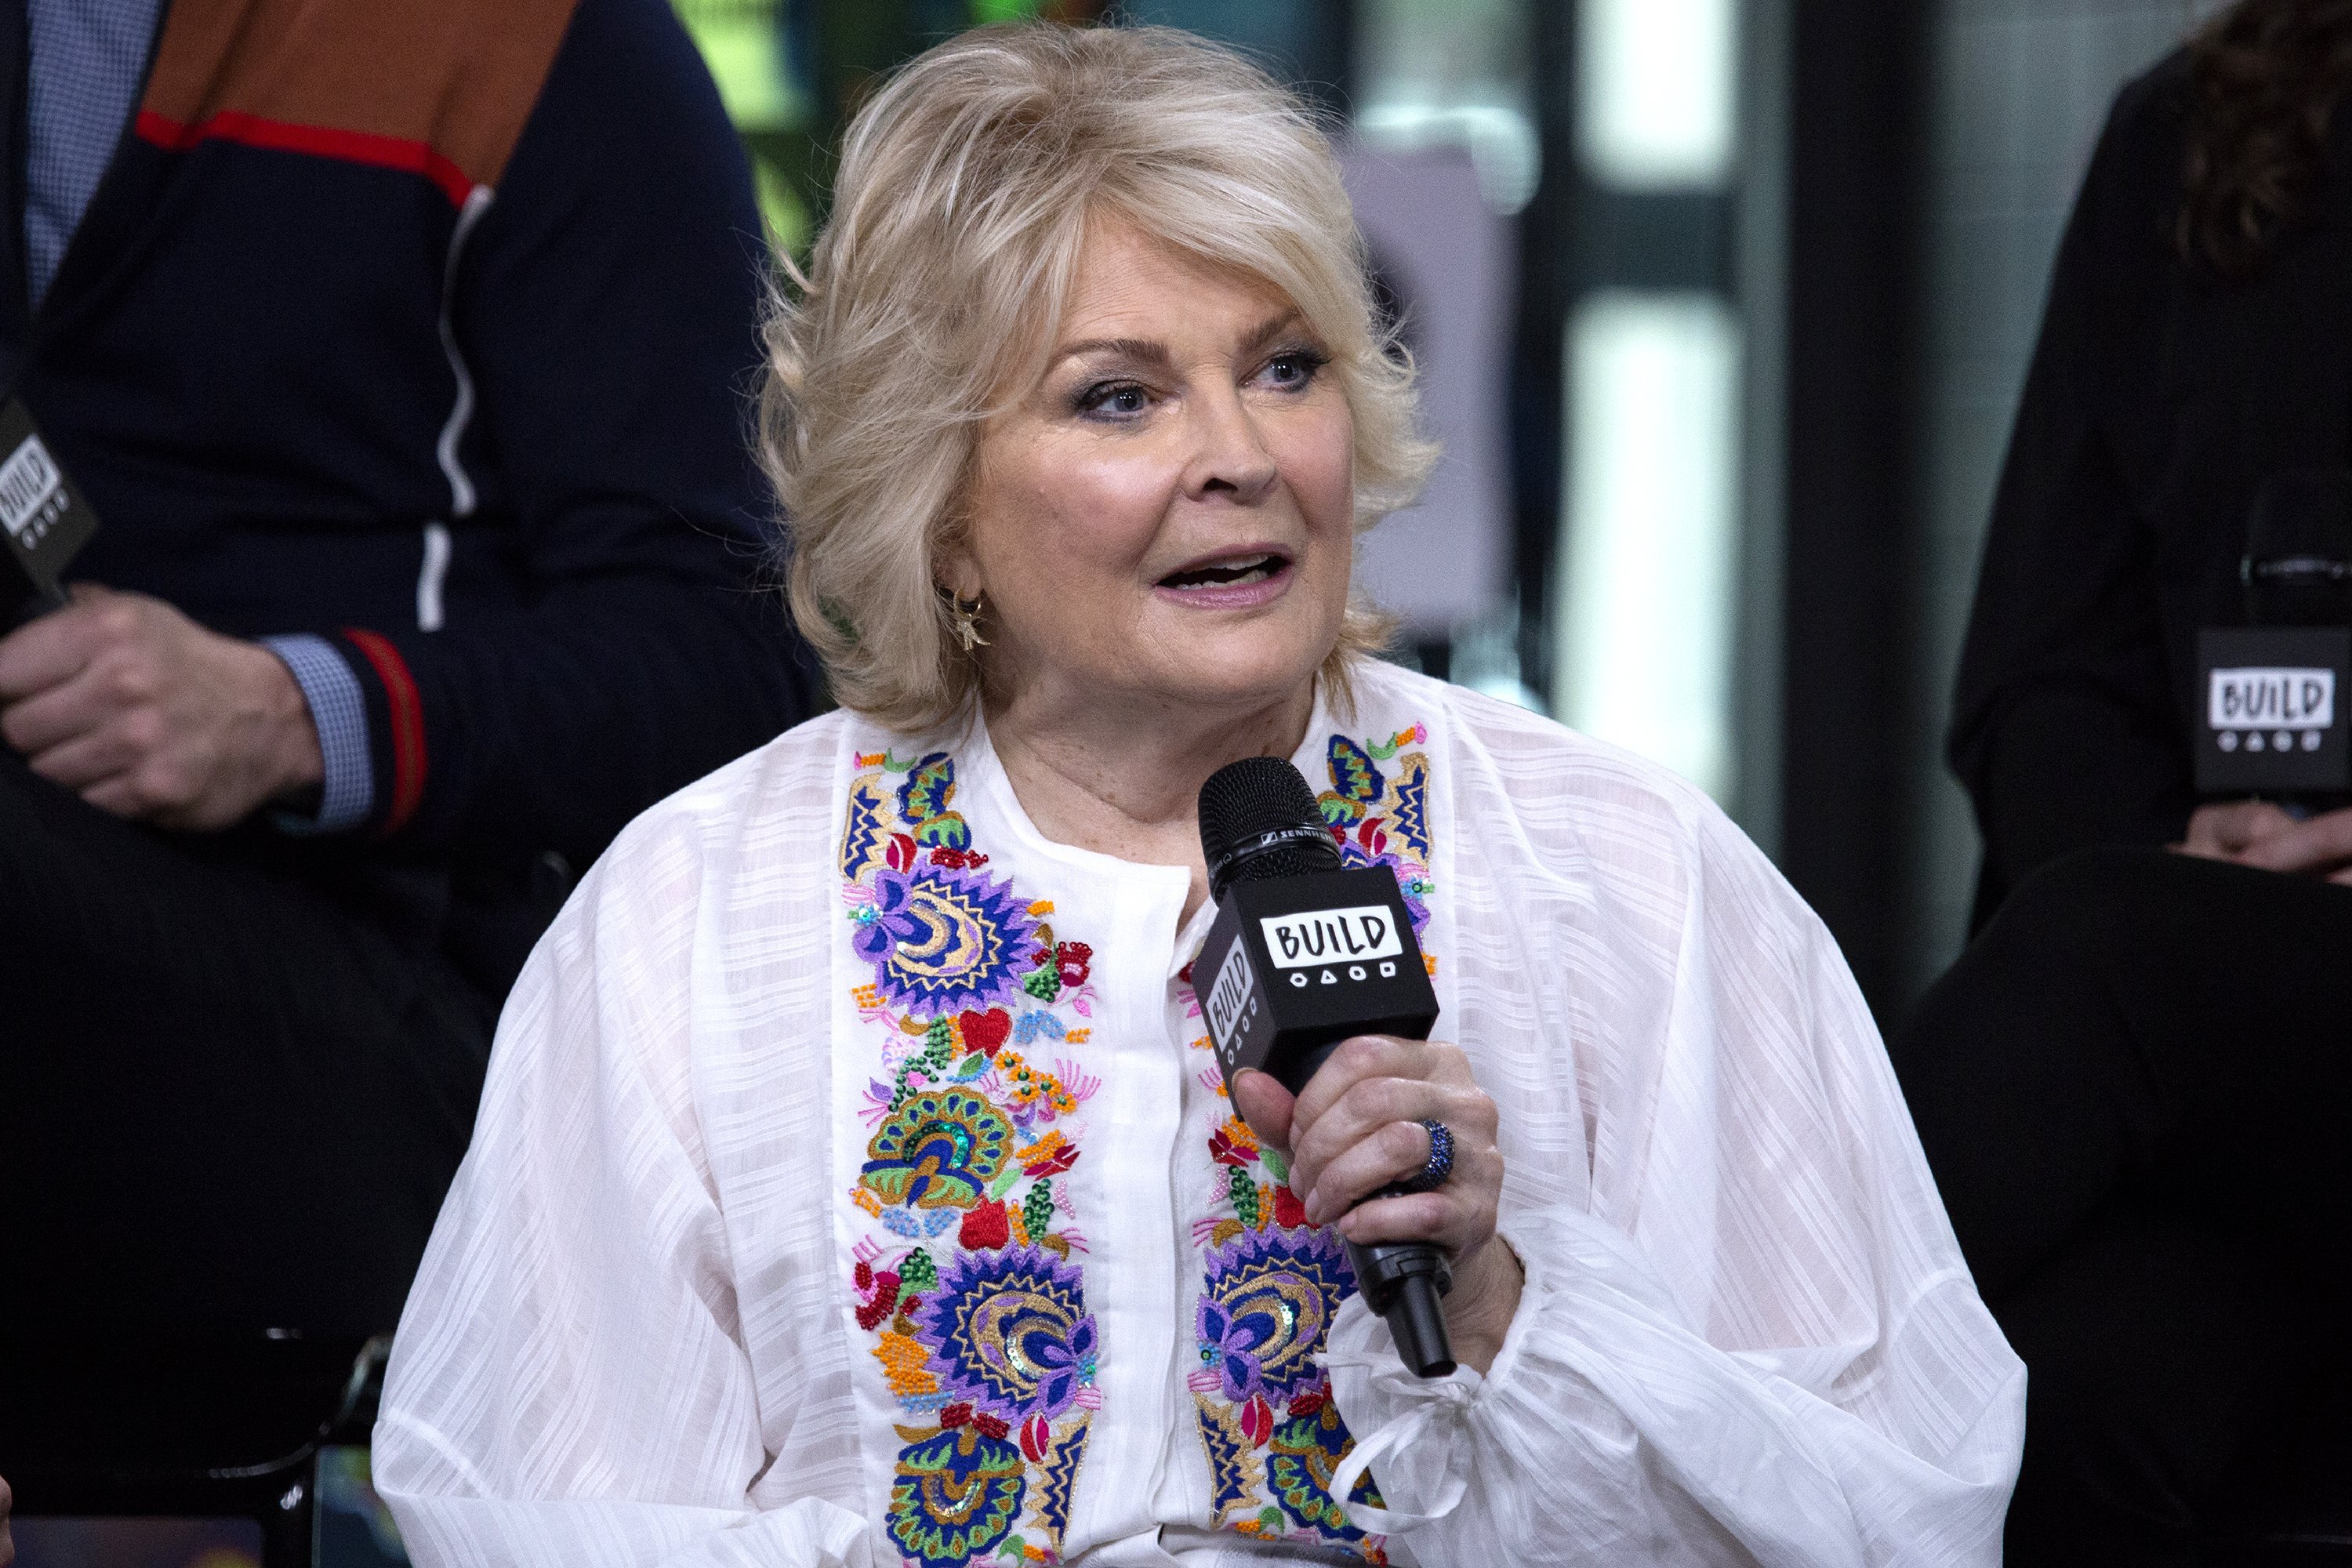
[2161, 398]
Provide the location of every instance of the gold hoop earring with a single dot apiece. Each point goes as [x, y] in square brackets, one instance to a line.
[967, 622]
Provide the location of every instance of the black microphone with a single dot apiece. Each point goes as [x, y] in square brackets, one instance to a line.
[2272, 687]
[43, 518]
[1303, 955]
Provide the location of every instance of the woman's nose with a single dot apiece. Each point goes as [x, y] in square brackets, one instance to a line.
[1232, 459]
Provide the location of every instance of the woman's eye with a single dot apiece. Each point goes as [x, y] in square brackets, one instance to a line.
[1120, 400]
[1292, 371]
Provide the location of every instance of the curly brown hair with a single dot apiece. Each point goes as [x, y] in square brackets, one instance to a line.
[2265, 76]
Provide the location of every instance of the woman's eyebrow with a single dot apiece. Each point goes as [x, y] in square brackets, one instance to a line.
[1156, 353]
[1142, 349]
[1271, 329]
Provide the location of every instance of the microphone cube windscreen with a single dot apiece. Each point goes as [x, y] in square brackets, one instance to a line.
[1295, 964]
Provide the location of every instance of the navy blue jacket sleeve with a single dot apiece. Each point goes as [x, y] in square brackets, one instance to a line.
[605, 305]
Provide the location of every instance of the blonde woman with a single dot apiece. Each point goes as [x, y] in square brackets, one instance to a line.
[854, 1183]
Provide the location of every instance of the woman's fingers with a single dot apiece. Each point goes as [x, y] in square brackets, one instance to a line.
[1265, 1104]
[2226, 829]
[1358, 1128]
[1375, 1057]
[2322, 844]
[1392, 1152]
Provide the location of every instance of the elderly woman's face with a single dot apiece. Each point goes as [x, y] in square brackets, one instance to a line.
[1167, 516]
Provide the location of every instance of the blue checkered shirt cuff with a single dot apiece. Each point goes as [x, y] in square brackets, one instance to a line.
[339, 710]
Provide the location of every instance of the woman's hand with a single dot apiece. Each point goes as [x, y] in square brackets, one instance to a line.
[2256, 833]
[1356, 1128]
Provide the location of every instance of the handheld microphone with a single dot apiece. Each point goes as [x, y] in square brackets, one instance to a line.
[1303, 955]
[43, 518]
[2273, 687]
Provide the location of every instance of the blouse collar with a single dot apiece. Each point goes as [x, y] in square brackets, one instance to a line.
[984, 775]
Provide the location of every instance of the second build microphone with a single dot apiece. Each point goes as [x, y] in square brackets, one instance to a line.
[1305, 953]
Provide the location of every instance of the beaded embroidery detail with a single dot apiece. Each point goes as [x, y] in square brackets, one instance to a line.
[1271, 1283]
[964, 1278]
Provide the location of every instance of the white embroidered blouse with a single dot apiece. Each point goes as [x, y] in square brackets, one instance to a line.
[853, 1184]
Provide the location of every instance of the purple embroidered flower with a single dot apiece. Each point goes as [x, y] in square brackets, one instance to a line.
[1009, 1331]
[1411, 880]
[942, 940]
[1266, 1302]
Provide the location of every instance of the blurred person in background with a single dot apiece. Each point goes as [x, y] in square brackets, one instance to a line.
[402, 350]
[2133, 1088]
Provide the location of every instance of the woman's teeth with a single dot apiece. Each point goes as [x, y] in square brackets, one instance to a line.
[1254, 570]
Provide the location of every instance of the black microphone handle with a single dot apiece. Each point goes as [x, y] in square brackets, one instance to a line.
[1401, 1280]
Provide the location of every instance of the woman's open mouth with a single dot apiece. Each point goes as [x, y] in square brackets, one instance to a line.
[1239, 572]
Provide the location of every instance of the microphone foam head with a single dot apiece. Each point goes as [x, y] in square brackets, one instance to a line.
[1259, 820]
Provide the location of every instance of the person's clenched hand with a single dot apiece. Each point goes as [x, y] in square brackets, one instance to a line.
[145, 714]
[2256, 833]
[1356, 1128]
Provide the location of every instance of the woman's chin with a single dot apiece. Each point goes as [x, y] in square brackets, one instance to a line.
[1241, 668]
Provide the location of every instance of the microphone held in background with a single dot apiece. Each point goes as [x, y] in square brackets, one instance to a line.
[43, 518]
[2274, 688]
[1305, 953]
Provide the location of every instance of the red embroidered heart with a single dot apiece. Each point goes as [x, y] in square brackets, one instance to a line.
[985, 1032]
[984, 1226]
[1288, 1211]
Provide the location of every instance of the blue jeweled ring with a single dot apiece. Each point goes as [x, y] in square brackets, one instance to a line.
[1433, 1175]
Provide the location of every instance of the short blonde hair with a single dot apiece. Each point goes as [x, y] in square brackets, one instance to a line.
[966, 187]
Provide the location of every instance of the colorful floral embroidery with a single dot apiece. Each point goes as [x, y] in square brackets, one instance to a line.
[1271, 1283]
[965, 1279]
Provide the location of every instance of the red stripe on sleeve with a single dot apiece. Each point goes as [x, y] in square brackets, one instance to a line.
[407, 724]
[320, 140]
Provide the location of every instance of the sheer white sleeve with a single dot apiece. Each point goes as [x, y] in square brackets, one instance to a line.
[570, 1385]
[1746, 1333]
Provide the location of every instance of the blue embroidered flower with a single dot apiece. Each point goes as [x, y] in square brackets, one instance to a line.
[930, 785]
[937, 1151]
[1266, 1303]
[957, 1495]
[1035, 1025]
[1306, 1450]
[942, 940]
[1009, 1331]
[1353, 776]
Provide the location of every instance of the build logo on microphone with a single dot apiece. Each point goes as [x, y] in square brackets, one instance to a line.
[2273, 724]
[1341, 944]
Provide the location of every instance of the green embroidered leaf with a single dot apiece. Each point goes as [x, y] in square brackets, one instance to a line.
[1270, 1520]
[1275, 1165]
[1244, 1194]
[971, 1065]
[1004, 1180]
